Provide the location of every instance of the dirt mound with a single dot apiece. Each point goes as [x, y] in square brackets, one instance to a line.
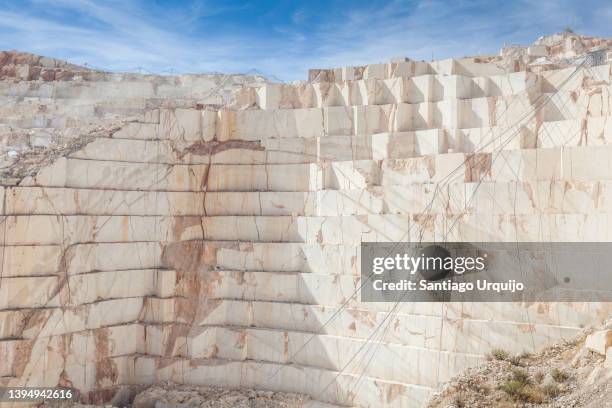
[569, 374]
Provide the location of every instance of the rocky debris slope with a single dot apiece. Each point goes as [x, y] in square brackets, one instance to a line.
[574, 373]
[15, 65]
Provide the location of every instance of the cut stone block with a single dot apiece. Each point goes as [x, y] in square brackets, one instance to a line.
[181, 124]
[139, 131]
[90, 287]
[28, 292]
[28, 260]
[599, 341]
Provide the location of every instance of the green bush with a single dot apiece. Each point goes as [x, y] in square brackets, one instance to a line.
[512, 387]
[499, 354]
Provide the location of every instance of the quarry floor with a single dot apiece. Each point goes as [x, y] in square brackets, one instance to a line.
[168, 395]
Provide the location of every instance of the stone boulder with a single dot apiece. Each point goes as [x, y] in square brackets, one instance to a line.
[599, 341]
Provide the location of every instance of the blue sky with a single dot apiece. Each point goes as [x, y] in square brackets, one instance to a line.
[281, 38]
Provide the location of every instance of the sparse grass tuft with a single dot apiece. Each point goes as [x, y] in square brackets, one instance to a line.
[512, 387]
[499, 354]
[551, 390]
[521, 376]
[532, 394]
[559, 375]
[520, 388]
[516, 387]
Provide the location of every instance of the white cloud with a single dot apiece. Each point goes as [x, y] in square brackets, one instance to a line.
[123, 35]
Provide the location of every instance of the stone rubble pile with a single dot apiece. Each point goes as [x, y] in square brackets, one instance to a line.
[555, 51]
[169, 395]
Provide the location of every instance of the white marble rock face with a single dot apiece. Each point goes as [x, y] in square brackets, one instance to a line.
[222, 247]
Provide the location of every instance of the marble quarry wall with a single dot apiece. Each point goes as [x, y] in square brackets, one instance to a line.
[221, 246]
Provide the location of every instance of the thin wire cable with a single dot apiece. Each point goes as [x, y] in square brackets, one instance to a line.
[388, 314]
[364, 282]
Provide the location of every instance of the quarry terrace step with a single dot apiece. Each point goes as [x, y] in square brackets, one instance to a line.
[24, 260]
[317, 255]
[39, 109]
[84, 109]
[288, 287]
[406, 68]
[449, 114]
[283, 287]
[78, 173]
[252, 288]
[85, 288]
[487, 197]
[259, 125]
[594, 131]
[123, 247]
[422, 88]
[186, 87]
[417, 332]
[120, 356]
[223, 356]
[71, 230]
[84, 201]
[268, 296]
[36, 122]
[284, 316]
[416, 325]
[64, 321]
[415, 89]
[404, 329]
[59, 321]
[42, 260]
[296, 378]
[579, 163]
[469, 66]
[323, 352]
